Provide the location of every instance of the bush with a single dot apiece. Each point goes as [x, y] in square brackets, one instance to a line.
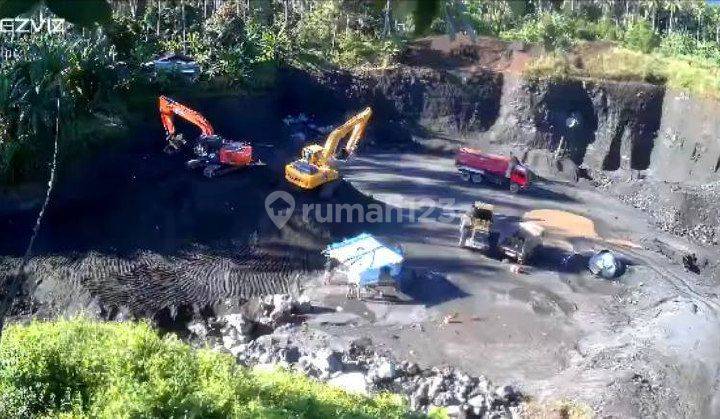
[82, 368]
[555, 31]
[640, 37]
[602, 30]
[684, 45]
[678, 44]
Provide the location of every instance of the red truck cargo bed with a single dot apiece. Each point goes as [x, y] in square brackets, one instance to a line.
[492, 166]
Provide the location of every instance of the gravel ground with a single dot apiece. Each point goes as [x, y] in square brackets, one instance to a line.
[643, 345]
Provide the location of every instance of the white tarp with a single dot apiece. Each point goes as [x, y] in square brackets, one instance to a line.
[605, 264]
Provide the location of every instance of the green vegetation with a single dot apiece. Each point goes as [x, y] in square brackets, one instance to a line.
[637, 24]
[665, 42]
[689, 74]
[81, 368]
[79, 74]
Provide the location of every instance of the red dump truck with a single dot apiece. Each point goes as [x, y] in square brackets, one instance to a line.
[477, 166]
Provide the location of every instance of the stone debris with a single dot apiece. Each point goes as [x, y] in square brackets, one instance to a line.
[198, 328]
[355, 367]
[327, 361]
[683, 210]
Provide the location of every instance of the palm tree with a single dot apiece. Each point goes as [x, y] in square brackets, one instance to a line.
[672, 6]
[699, 9]
[651, 7]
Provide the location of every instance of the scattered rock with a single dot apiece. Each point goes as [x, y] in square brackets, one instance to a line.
[386, 370]
[237, 329]
[327, 361]
[198, 329]
[353, 366]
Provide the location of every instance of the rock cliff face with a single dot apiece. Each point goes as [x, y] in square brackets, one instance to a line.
[687, 147]
[412, 106]
[612, 130]
[603, 126]
[615, 127]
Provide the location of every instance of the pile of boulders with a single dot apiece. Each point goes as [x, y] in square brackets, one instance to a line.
[355, 366]
[234, 331]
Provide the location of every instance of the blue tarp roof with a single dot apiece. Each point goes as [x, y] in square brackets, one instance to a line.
[364, 252]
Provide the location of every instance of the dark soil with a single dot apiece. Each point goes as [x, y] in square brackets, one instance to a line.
[133, 232]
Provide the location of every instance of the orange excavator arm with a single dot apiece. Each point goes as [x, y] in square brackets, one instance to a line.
[169, 108]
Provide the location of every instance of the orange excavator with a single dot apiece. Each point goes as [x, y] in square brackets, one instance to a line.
[216, 155]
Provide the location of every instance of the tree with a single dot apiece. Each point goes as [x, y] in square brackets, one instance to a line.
[715, 19]
[672, 6]
[651, 8]
[698, 10]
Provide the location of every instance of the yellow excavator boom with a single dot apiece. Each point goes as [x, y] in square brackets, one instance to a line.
[355, 126]
[315, 166]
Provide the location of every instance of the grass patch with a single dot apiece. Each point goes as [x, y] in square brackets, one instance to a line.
[81, 368]
[693, 75]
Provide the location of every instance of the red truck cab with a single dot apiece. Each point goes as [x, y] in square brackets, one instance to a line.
[477, 166]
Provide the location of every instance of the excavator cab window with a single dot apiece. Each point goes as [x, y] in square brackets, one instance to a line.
[304, 167]
[311, 155]
[211, 143]
[307, 155]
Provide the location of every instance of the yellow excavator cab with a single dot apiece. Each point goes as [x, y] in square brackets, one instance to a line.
[316, 165]
[312, 154]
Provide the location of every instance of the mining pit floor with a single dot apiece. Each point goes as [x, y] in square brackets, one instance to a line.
[644, 345]
[162, 242]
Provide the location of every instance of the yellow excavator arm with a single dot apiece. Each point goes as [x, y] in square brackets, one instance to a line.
[315, 165]
[354, 126]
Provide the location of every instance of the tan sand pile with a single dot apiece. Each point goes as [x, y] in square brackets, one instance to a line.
[562, 223]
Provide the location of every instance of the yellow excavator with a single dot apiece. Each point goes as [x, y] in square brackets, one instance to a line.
[317, 164]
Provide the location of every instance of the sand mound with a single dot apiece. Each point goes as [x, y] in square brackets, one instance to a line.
[563, 224]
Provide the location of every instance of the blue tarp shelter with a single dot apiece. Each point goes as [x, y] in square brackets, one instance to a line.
[365, 260]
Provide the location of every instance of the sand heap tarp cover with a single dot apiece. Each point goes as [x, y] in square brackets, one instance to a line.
[365, 258]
